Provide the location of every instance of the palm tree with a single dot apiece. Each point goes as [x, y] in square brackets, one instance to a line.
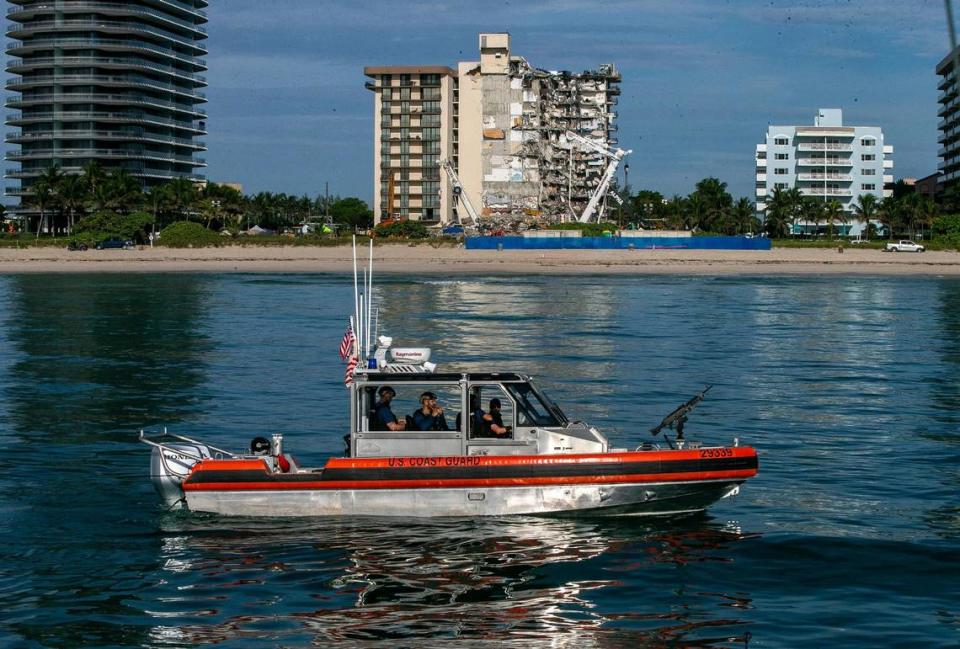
[45, 191]
[183, 196]
[779, 213]
[743, 216]
[73, 197]
[832, 213]
[866, 210]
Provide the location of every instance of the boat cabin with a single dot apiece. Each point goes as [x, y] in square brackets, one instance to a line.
[532, 424]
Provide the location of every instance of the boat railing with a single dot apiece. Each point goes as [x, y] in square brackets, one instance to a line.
[179, 451]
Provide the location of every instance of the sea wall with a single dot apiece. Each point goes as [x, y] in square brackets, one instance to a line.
[617, 243]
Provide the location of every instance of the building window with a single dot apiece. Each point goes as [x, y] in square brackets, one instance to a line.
[404, 94]
[781, 185]
[405, 80]
[781, 171]
[430, 79]
[386, 79]
[867, 157]
[431, 106]
[867, 141]
[869, 172]
[868, 187]
[431, 134]
[430, 93]
[781, 141]
[782, 156]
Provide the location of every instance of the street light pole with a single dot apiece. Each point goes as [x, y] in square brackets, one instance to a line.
[626, 184]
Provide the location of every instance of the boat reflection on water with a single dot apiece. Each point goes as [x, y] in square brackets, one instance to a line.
[542, 582]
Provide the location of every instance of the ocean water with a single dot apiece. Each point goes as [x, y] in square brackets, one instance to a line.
[848, 387]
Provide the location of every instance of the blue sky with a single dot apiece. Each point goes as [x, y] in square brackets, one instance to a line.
[701, 78]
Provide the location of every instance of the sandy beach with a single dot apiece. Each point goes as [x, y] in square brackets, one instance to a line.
[421, 259]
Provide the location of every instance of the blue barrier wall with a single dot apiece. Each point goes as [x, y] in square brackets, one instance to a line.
[618, 243]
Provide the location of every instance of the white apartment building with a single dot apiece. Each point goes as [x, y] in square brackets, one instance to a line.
[827, 161]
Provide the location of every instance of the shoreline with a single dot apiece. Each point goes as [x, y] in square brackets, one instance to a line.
[425, 259]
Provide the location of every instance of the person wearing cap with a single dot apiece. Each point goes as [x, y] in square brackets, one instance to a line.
[494, 420]
[430, 415]
[382, 416]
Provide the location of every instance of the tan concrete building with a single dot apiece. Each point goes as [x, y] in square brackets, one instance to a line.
[413, 131]
[501, 124]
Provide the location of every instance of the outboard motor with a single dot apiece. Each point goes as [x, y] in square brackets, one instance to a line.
[170, 465]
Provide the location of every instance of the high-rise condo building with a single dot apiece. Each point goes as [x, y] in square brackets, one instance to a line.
[501, 123]
[116, 83]
[827, 161]
[414, 131]
[949, 125]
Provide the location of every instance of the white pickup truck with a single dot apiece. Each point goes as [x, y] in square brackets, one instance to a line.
[904, 246]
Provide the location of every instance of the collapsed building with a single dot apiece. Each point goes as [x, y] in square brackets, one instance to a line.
[504, 133]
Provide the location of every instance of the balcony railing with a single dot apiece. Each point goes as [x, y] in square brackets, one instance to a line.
[104, 154]
[824, 146]
[824, 162]
[103, 61]
[94, 43]
[93, 134]
[822, 177]
[104, 6]
[18, 32]
[80, 97]
[14, 119]
[825, 191]
[134, 170]
[98, 79]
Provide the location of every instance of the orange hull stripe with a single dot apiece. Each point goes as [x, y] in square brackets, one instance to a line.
[331, 485]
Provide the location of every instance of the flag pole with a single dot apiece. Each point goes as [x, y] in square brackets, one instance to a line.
[356, 293]
[370, 297]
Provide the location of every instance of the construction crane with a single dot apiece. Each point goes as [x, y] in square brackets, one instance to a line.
[458, 193]
[614, 155]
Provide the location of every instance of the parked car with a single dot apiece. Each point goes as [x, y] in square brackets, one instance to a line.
[904, 245]
[115, 242]
[76, 245]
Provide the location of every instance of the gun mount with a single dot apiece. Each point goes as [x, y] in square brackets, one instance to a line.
[676, 419]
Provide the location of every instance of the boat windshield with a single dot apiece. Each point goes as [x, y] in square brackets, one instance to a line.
[534, 409]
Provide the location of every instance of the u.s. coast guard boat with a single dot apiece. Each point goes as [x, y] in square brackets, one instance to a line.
[535, 460]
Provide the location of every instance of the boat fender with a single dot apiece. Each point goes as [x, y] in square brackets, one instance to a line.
[260, 446]
[283, 464]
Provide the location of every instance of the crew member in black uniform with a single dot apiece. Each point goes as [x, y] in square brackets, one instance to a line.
[494, 420]
[430, 415]
[382, 417]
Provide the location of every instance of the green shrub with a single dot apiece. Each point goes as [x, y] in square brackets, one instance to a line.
[402, 229]
[587, 229]
[187, 234]
[106, 224]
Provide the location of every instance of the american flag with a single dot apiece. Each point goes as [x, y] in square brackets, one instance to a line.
[346, 345]
[351, 365]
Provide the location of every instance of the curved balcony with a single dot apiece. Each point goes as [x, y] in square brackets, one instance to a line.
[101, 134]
[190, 8]
[136, 170]
[19, 119]
[88, 97]
[107, 44]
[23, 83]
[27, 65]
[104, 154]
[110, 27]
[26, 12]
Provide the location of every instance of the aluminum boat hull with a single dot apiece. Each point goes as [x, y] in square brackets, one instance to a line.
[610, 484]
